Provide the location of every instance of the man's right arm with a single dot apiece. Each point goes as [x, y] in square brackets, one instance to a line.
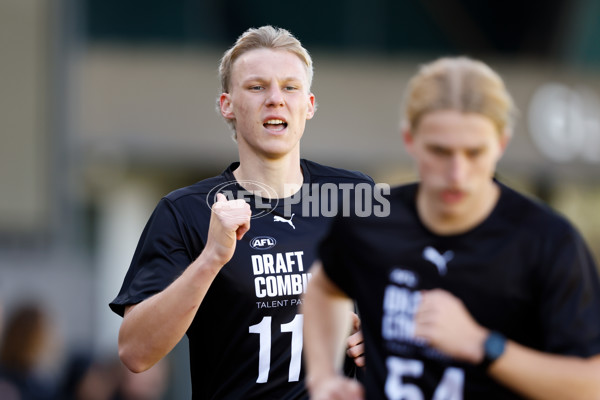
[152, 328]
[327, 319]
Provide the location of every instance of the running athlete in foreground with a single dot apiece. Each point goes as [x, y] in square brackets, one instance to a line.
[468, 289]
[226, 259]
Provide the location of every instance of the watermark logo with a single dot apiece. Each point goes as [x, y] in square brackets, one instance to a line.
[310, 200]
[330, 199]
[265, 197]
[263, 242]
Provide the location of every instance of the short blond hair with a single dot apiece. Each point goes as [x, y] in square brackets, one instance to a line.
[462, 84]
[264, 37]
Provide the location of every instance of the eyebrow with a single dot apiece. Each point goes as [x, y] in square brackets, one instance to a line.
[262, 79]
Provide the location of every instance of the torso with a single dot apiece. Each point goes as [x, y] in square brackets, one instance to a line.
[498, 269]
[246, 339]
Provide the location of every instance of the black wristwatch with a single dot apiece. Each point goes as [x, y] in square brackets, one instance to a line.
[493, 348]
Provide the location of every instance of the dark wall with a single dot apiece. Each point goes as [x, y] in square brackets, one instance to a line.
[475, 27]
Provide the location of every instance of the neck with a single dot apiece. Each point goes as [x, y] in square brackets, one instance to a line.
[280, 177]
[468, 217]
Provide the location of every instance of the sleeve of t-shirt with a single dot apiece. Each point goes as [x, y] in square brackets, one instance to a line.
[333, 253]
[160, 257]
[570, 302]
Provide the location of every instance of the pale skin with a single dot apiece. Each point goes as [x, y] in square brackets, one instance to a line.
[269, 85]
[270, 102]
[455, 194]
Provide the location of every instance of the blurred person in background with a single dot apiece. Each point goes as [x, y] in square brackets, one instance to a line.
[202, 269]
[148, 385]
[24, 342]
[91, 378]
[468, 289]
[8, 390]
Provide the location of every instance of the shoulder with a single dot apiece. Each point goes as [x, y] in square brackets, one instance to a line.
[199, 189]
[323, 173]
[405, 193]
[191, 201]
[532, 214]
[542, 232]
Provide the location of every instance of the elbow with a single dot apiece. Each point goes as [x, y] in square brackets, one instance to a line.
[134, 362]
[131, 351]
[594, 393]
[590, 390]
[590, 395]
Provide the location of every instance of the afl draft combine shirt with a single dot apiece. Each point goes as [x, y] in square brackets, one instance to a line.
[246, 338]
[524, 271]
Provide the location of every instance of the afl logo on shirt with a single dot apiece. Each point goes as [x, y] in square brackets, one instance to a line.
[262, 242]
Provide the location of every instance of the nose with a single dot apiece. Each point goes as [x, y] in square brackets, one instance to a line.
[275, 96]
[457, 170]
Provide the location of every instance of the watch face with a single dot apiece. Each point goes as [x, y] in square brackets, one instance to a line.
[494, 345]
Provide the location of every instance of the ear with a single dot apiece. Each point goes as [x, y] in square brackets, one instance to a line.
[504, 141]
[226, 106]
[408, 138]
[311, 106]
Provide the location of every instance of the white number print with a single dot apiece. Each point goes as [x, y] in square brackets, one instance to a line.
[295, 327]
[449, 388]
[263, 329]
[264, 354]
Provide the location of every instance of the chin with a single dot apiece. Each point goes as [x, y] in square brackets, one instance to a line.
[453, 210]
[272, 153]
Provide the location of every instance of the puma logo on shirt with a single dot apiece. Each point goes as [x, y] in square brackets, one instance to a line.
[277, 218]
[439, 260]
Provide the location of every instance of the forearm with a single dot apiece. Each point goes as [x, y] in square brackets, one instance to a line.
[539, 375]
[443, 321]
[327, 318]
[152, 328]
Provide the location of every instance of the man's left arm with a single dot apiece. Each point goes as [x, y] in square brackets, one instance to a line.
[445, 323]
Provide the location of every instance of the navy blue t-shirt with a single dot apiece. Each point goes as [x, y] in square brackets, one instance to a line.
[524, 271]
[246, 338]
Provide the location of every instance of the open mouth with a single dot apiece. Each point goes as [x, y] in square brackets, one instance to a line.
[276, 125]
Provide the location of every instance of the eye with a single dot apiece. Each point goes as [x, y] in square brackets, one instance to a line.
[474, 153]
[256, 88]
[290, 88]
[439, 151]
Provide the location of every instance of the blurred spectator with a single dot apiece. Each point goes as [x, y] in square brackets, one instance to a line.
[23, 344]
[87, 378]
[148, 385]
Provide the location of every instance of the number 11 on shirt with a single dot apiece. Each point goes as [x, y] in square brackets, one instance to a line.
[263, 329]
